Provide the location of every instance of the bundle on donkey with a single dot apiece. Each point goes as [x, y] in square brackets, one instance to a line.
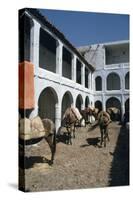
[32, 131]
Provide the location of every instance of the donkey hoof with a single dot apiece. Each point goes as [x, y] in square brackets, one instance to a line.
[100, 146]
[51, 162]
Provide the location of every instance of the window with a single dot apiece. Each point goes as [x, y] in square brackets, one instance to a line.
[113, 82]
[47, 51]
[66, 64]
[98, 83]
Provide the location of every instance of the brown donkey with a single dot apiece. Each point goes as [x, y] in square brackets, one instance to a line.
[103, 122]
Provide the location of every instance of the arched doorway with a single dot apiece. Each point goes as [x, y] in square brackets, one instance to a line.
[87, 101]
[113, 81]
[67, 101]
[46, 103]
[98, 104]
[79, 102]
[113, 102]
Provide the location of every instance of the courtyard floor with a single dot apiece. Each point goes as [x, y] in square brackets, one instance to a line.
[80, 165]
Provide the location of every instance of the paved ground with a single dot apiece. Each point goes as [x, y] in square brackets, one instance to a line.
[80, 165]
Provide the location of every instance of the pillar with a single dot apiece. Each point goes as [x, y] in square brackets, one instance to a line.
[122, 78]
[35, 39]
[103, 102]
[57, 117]
[59, 50]
[83, 75]
[104, 83]
[122, 106]
[104, 57]
[90, 81]
[74, 68]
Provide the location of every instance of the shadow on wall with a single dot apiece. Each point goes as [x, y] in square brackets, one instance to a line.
[119, 173]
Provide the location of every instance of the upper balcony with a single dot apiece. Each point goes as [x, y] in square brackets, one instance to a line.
[117, 66]
[117, 55]
[57, 78]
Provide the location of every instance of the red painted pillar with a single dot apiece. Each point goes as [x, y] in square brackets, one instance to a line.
[26, 85]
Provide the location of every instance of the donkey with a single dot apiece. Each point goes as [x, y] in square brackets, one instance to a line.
[103, 122]
[114, 113]
[71, 119]
[89, 111]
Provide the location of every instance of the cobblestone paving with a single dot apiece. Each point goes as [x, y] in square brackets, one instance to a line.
[80, 165]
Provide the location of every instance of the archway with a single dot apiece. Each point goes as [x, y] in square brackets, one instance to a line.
[113, 102]
[46, 103]
[79, 102]
[67, 101]
[113, 81]
[98, 104]
[87, 101]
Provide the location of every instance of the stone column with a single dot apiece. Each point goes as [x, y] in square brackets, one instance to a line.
[74, 68]
[103, 102]
[34, 52]
[89, 81]
[34, 49]
[122, 82]
[83, 75]
[122, 106]
[57, 117]
[104, 57]
[105, 81]
[92, 82]
[104, 85]
[59, 50]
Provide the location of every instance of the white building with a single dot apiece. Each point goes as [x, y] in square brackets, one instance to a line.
[64, 77]
[111, 76]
